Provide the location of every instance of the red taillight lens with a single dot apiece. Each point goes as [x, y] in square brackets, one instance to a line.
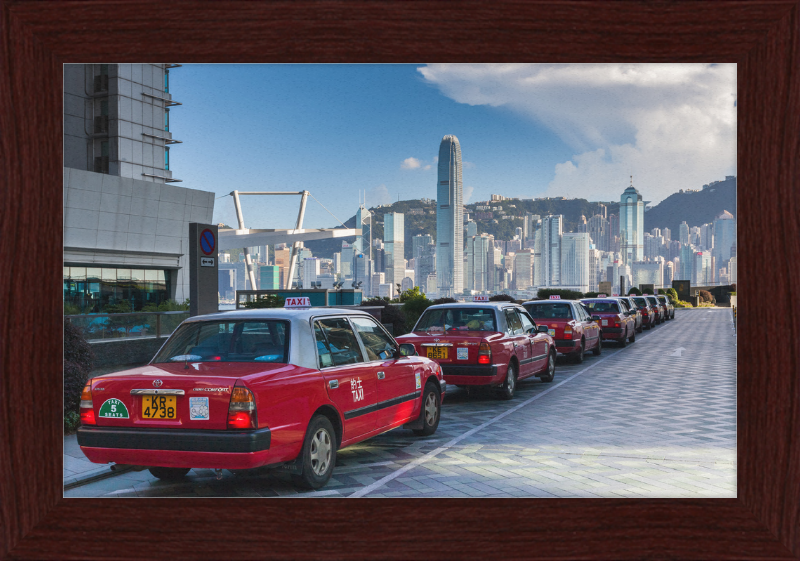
[242, 410]
[484, 353]
[87, 410]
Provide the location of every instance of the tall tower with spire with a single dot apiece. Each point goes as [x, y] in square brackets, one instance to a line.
[449, 219]
[631, 225]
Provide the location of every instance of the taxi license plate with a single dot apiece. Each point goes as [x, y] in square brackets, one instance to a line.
[158, 407]
[604, 322]
[436, 352]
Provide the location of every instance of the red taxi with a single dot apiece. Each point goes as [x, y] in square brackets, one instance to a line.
[670, 309]
[245, 389]
[484, 344]
[616, 323]
[658, 307]
[573, 329]
[648, 312]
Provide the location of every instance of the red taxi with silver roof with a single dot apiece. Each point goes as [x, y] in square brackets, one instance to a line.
[615, 321]
[250, 388]
[570, 325]
[484, 343]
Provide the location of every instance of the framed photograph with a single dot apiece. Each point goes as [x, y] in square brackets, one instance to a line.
[761, 38]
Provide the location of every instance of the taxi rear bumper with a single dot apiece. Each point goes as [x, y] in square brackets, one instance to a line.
[237, 442]
[567, 346]
[464, 375]
[614, 333]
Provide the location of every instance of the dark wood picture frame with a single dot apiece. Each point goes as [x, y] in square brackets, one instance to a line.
[38, 37]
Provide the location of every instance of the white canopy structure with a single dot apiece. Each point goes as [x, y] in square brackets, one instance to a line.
[249, 237]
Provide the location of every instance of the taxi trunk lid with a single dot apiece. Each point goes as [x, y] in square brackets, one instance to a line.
[559, 328]
[461, 347]
[191, 396]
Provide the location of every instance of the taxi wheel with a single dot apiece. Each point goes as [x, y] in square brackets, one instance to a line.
[169, 474]
[578, 358]
[431, 411]
[599, 347]
[507, 389]
[632, 338]
[623, 341]
[641, 328]
[551, 368]
[319, 454]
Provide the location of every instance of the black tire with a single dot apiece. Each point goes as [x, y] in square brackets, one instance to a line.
[431, 410]
[169, 474]
[320, 441]
[599, 347]
[632, 338]
[647, 327]
[641, 328]
[623, 341]
[506, 391]
[578, 357]
[551, 368]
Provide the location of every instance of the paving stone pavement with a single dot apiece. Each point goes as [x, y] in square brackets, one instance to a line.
[654, 419]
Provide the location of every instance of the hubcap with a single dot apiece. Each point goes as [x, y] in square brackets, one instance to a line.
[320, 452]
[431, 410]
[552, 367]
[510, 379]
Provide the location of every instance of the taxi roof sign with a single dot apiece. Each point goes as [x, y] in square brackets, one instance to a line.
[297, 302]
[480, 298]
[602, 295]
[646, 294]
[615, 295]
[555, 297]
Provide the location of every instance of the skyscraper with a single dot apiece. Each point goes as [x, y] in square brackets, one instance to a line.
[449, 219]
[631, 225]
[394, 233]
[724, 238]
[552, 227]
[575, 260]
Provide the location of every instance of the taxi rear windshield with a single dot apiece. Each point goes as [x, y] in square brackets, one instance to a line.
[641, 302]
[601, 307]
[652, 300]
[549, 311]
[457, 319]
[228, 341]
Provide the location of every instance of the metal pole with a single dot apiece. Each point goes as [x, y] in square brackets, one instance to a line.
[295, 245]
[247, 262]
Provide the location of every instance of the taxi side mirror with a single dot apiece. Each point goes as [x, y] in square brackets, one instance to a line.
[406, 349]
[542, 329]
[532, 330]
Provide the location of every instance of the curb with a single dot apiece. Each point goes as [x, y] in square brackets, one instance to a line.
[97, 475]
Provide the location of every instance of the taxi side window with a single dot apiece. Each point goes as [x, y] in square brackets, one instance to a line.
[581, 313]
[527, 323]
[336, 343]
[379, 346]
[514, 323]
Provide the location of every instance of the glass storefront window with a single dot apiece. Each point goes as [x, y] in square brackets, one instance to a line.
[92, 290]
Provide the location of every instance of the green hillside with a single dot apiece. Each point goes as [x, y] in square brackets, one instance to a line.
[695, 207]
[425, 223]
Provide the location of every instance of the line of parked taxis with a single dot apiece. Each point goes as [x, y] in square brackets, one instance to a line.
[289, 387]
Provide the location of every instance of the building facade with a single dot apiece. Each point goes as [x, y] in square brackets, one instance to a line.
[631, 225]
[394, 232]
[449, 219]
[126, 227]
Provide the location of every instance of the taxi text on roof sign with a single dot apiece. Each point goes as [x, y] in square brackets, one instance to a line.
[555, 297]
[480, 298]
[297, 302]
[601, 295]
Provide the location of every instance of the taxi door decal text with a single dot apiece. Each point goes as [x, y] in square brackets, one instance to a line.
[358, 391]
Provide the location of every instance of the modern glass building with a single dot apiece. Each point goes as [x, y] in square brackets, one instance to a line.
[575, 260]
[90, 290]
[724, 238]
[631, 225]
[394, 232]
[449, 219]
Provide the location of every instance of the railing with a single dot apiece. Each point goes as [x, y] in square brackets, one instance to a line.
[96, 327]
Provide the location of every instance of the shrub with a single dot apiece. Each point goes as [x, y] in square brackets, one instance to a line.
[72, 420]
[591, 295]
[389, 315]
[444, 300]
[266, 301]
[545, 293]
[634, 291]
[413, 308]
[167, 306]
[706, 296]
[78, 361]
[501, 298]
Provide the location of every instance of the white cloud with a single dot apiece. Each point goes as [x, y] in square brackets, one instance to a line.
[378, 196]
[468, 165]
[671, 126]
[466, 194]
[410, 163]
[427, 167]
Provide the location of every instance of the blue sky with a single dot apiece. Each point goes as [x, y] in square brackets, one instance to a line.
[525, 130]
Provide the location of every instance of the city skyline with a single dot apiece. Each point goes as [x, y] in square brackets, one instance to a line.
[533, 131]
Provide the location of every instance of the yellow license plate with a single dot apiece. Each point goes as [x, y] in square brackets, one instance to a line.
[158, 406]
[437, 352]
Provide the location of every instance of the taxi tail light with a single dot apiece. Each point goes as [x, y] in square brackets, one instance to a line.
[567, 331]
[87, 410]
[484, 353]
[242, 410]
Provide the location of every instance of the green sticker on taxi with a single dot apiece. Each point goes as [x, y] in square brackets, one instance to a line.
[114, 409]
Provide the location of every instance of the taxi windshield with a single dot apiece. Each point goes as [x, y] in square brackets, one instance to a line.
[601, 307]
[652, 299]
[459, 319]
[641, 302]
[228, 341]
[549, 311]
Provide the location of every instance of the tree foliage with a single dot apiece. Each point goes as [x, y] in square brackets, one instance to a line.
[706, 296]
[445, 300]
[78, 362]
[501, 298]
[545, 293]
[634, 291]
[392, 315]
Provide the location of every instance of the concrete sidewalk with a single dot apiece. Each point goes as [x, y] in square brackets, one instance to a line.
[78, 470]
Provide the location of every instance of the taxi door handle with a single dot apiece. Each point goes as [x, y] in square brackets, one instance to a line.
[333, 384]
[381, 375]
